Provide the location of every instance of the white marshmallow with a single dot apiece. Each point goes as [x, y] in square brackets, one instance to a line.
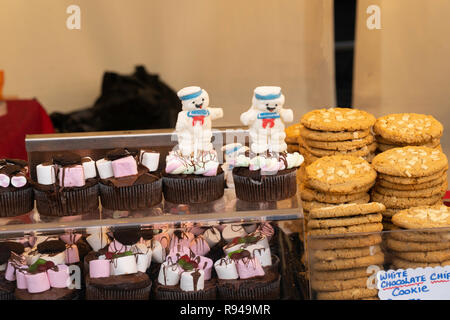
[89, 168]
[3, 266]
[45, 174]
[4, 180]
[158, 252]
[59, 258]
[261, 253]
[212, 236]
[150, 160]
[226, 269]
[104, 168]
[144, 256]
[169, 274]
[232, 231]
[97, 240]
[31, 256]
[187, 281]
[18, 181]
[124, 265]
[236, 247]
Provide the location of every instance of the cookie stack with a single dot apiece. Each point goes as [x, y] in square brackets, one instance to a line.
[327, 132]
[342, 265]
[292, 134]
[407, 129]
[409, 177]
[425, 248]
[333, 180]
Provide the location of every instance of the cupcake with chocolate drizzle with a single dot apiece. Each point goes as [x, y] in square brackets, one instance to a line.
[129, 181]
[8, 281]
[67, 185]
[268, 172]
[16, 193]
[118, 271]
[192, 173]
[249, 273]
[184, 275]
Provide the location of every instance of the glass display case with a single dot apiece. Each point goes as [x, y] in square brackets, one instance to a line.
[284, 216]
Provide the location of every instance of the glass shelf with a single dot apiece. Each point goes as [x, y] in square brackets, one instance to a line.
[228, 209]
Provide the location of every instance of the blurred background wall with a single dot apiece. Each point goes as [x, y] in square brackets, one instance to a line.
[404, 66]
[226, 46]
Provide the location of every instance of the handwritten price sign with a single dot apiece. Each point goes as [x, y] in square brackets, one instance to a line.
[414, 284]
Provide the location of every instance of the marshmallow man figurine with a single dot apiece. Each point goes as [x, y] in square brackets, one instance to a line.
[265, 119]
[194, 121]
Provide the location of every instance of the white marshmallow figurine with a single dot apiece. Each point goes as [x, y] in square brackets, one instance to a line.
[265, 119]
[193, 126]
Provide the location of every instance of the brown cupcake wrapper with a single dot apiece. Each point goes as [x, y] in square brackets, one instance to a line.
[207, 294]
[95, 293]
[67, 202]
[138, 196]
[16, 202]
[6, 296]
[270, 188]
[269, 291]
[193, 190]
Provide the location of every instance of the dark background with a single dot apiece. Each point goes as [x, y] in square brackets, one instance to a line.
[344, 36]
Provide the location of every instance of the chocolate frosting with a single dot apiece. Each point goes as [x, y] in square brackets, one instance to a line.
[67, 159]
[118, 153]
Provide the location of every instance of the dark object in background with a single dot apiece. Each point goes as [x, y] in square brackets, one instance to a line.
[127, 102]
[344, 36]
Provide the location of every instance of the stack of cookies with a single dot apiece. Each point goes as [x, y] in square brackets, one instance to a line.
[429, 247]
[342, 265]
[407, 129]
[333, 180]
[292, 134]
[409, 177]
[327, 132]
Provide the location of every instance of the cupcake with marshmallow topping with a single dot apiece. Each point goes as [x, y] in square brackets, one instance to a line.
[193, 173]
[67, 185]
[118, 270]
[16, 193]
[129, 181]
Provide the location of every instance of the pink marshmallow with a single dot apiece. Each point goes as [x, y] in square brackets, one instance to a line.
[184, 240]
[206, 265]
[73, 176]
[163, 238]
[124, 167]
[196, 230]
[60, 278]
[10, 273]
[249, 268]
[99, 268]
[37, 282]
[117, 247]
[4, 180]
[72, 254]
[18, 181]
[70, 238]
[21, 281]
[179, 251]
[199, 246]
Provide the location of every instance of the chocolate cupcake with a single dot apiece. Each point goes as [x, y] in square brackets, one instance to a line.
[266, 178]
[192, 173]
[128, 183]
[118, 272]
[66, 186]
[16, 193]
[43, 280]
[267, 172]
[249, 270]
[185, 276]
[8, 281]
